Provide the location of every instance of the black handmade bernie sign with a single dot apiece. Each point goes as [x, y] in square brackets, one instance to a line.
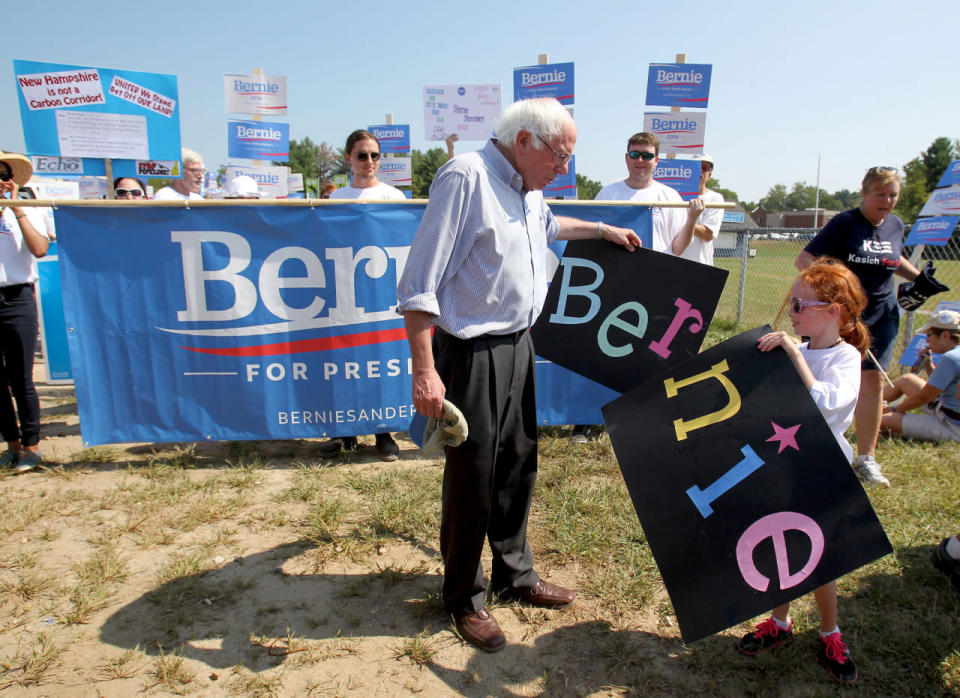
[744, 494]
[619, 318]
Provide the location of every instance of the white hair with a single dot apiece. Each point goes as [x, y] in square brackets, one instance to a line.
[545, 117]
[187, 155]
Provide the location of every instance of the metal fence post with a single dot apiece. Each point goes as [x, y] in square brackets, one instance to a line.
[744, 243]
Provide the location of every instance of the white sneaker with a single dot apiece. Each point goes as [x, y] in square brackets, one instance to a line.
[868, 470]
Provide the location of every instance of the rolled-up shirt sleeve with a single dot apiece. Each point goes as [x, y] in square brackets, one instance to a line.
[435, 254]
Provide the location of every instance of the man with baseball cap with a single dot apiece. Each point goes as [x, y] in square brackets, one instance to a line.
[708, 223]
[23, 238]
[937, 396]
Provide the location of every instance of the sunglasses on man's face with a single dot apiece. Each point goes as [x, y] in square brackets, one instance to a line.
[132, 193]
[641, 154]
[362, 156]
[6, 175]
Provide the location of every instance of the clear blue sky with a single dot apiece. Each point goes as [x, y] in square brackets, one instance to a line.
[861, 83]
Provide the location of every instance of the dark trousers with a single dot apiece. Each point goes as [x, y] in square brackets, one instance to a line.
[488, 480]
[18, 341]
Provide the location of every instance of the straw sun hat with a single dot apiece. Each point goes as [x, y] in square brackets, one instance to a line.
[19, 165]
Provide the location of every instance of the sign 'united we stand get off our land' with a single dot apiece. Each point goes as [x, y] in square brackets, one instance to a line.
[744, 495]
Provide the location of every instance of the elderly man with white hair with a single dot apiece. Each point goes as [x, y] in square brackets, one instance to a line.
[188, 187]
[476, 279]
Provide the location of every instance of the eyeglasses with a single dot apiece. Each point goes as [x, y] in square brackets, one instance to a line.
[132, 193]
[881, 168]
[798, 304]
[563, 159]
[6, 176]
[362, 156]
[641, 155]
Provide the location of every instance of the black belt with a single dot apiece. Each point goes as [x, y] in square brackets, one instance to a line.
[511, 336]
[950, 413]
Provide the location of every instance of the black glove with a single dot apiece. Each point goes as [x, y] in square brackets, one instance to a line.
[912, 294]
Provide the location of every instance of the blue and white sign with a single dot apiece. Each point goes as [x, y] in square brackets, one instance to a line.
[53, 327]
[394, 138]
[549, 80]
[679, 132]
[565, 185]
[258, 140]
[733, 217]
[942, 202]
[259, 322]
[75, 111]
[678, 85]
[951, 175]
[932, 231]
[271, 179]
[397, 172]
[682, 175]
[255, 94]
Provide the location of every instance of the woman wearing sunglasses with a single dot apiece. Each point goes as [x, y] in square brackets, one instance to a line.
[869, 241]
[23, 238]
[129, 188]
[363, 156]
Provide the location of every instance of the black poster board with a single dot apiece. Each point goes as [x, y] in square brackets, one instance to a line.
[743, 492]
[618, 317]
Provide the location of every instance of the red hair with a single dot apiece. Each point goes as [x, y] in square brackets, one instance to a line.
[835, 283]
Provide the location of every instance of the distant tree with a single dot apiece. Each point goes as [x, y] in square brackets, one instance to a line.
[425, 166]
[312, 160]
[848, 199]
[922, 174]
[800, 197]
[727, 194]
[776, 198]
[587, 189]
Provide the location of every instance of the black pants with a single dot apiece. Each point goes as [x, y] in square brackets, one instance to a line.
[488, 480]
[18, 341]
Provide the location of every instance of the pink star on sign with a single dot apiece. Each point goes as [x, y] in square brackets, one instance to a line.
[786, 436]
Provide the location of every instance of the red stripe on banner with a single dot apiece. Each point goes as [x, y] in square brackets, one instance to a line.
[305, 345]
[692, 99]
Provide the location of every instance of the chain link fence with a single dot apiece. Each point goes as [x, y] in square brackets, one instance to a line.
[760, 262]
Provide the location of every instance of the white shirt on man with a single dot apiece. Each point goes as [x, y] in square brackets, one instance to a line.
[379, 192]
[702, 250]
[667, 222]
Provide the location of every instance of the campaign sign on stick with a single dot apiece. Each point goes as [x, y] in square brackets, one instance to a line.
[470, 111]
[255, 94]
[932, 231]
[394, 138]
[618, 317]
[682, 175]
[942, 202]
[549, 80]
[75, 111]
[258, 140]
[951, 175]
[744, 495]
[678, 85]
[565, 185]
[397, 172]
[679, 132]
[271, 180]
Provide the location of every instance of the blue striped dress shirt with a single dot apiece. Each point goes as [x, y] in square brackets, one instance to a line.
[478, 263]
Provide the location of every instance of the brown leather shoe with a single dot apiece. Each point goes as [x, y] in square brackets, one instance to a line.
[543, 593]
[480, 629]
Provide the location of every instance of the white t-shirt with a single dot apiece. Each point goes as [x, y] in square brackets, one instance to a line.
[837, 385]
[702, 250]
[667, 222]
[379, 192]
[171, 194]
[17, 263]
